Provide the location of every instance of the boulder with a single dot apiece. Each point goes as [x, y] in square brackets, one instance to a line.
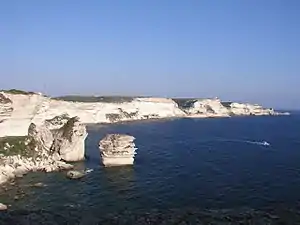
[117, 149]
[39, 185]
[3, 207]
[75, 174]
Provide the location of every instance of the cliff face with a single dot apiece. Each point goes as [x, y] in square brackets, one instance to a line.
[249, 109]
[37, 108]
[69, 140]
[23, 110]
[216, 108]
[5, 108]
[208, 108]
[17, 111]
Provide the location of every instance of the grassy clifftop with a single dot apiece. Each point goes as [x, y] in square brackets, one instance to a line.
[15, 146]
[112, 99]
[18, 92]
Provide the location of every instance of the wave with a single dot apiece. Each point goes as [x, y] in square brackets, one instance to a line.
[262, 143]
[89, 170]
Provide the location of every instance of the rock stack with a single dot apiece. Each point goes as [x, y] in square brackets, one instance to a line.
[42, 149]
[117, 149]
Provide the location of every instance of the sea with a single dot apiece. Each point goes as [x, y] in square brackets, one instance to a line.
[238, 170]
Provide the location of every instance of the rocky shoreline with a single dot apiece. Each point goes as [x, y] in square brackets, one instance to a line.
[242, 216]
[44, 149]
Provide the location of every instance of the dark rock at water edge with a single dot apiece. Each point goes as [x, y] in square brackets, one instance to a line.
[174, 216]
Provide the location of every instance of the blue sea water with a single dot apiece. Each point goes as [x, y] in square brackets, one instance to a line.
[218, 163]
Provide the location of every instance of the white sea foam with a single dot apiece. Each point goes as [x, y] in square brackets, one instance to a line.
[263, 143]
[89, 170]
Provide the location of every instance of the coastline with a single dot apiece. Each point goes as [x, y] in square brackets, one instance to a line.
[19, 110]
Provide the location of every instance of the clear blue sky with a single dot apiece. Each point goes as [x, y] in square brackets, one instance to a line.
[244, 50]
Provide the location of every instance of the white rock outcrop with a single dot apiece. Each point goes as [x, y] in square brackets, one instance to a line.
[6, 108]
[217, 108]
[117, 149]
[208, 108]
[69, 140]
[43, 150]
[249, 109]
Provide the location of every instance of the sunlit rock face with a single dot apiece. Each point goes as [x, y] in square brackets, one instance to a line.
[24, 108]
[57, 121]
[207, 108]
[117, 149]
[5, 108]
[216, 108]
[36, 108]
[249, 109]
[69, 140]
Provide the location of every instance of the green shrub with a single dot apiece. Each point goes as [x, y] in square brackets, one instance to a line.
[113, 117]
[107, 99]
[185, 103]
[226, 104]
[15, 146]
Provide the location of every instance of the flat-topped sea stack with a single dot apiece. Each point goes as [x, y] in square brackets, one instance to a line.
[117, 150]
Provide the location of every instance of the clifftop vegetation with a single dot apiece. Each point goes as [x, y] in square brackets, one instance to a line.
[110, 99]
[15, 146]
[226, 104]
[18, 92]
[185, 103]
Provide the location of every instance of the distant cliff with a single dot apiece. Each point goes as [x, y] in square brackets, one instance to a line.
[19, 109]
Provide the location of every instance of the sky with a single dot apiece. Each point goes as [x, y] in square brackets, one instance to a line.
[240, 50]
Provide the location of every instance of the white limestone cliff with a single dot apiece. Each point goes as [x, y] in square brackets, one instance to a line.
[17, 111]
[34, 108]
[208, 108]
[216, 108]
[250, 109]
[5, 108]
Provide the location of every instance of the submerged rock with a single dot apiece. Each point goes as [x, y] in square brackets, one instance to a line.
[75, 174]
[3, 207]
[117, 149]
[39, 185]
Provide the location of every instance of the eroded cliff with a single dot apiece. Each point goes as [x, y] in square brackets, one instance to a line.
[17, 111]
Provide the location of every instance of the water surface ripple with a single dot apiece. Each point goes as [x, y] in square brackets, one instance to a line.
[184, 163]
